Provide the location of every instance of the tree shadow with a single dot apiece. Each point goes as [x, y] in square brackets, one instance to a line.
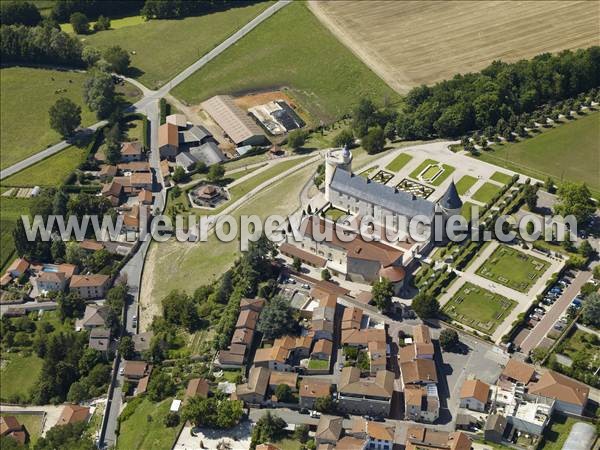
[134, 72]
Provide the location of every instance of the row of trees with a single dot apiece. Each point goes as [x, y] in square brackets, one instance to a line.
[46, 44]
[479, 100]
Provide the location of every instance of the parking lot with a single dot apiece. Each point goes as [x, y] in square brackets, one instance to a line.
[554, 311]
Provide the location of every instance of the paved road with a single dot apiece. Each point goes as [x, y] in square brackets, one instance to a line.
[536, 335]
[150, 97]
[47, 152]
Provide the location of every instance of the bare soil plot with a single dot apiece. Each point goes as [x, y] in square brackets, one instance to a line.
[408, 43]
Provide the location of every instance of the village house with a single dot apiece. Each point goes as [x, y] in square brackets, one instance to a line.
[570, 396]
[131, 151]
[18, 267]
[285, 353]
[168, 141]
[288, 378]
[474, 395]
[371, 396]
[322, 350]
[421, 403]
[312, 389]
[52, 277]
[89, 286]
[11, 427]
[197, 387]
[136, 370]
[254, 390]
[517, 372]
[100, 340]
[91, 246]
[378, 436]
[94, 316]
[329, 430]
[420, 438]
[73, 414]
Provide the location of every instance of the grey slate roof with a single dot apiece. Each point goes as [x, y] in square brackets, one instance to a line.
[185, 159]
[209, 153]
[196, 133]
[388, 197]
[451, 199]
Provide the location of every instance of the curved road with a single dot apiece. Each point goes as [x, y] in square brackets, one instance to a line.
[153, 96]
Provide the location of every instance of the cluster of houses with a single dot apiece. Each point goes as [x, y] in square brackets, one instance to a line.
[47, 278]
[129, 185]
[522, 401]
[418, 373]
[187, 144]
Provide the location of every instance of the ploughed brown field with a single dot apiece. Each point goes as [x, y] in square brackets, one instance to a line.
[409, 43]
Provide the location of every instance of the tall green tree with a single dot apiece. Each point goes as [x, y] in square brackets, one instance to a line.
[19, 13]
[99, 93]
[117, 58]
[80, 23]
[374, 141]
[425, 307]
[277, 318]
[65, 116]
[575, 199]
[382, 291]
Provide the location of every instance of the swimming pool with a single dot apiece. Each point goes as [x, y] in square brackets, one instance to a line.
[50, 268]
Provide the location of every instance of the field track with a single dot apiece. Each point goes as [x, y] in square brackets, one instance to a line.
[408, 43]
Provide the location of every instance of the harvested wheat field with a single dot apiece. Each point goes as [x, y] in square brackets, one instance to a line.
[408, 43]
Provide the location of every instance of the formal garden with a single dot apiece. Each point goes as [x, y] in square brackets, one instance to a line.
[513, 268]
[478, 308]
[382, 177]
[417, 189]
[432, 172]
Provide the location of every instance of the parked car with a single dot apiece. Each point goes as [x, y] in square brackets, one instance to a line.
[306, 286]
[315, 414]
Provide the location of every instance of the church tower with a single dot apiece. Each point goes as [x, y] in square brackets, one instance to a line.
[334, 158]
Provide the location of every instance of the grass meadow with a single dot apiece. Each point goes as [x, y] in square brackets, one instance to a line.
[290, 50]
[27, 94]
[568, 152]
[160, 49]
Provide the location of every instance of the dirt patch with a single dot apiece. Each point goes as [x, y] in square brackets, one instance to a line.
[258, 98]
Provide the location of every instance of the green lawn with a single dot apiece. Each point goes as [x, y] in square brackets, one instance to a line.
[19, 375]
[569, 152]
[135, 130]
[415, 173]
[478, 308]
[501, 177]
[399, 162]
[556, 434]
[138, 432]
[466, 210]
[486, 192]
[10, 210]
[27, 94]
[163, 48]
[465, 183]
[51, 171]
[318, 364]
[448, 170]
[291, 49]
[334, 213]
[432, 171]
[32, 423]
[513, 268]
